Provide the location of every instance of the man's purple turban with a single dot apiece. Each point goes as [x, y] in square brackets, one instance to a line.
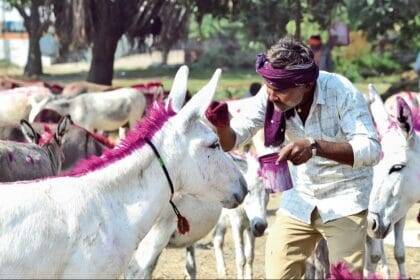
[284, 78]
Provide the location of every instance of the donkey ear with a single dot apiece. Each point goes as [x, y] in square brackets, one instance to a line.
[29, 132]
[377, 109]
[63, 126]
[36, 106]
[372, 94]
[201, 100]
[176, 97]
[404, 117]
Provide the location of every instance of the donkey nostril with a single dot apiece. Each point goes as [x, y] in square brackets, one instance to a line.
[258, 229]
[237, 197]
[374, 225]
[261, 227]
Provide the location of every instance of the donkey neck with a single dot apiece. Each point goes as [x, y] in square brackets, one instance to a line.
[135, 185]
[54, 154]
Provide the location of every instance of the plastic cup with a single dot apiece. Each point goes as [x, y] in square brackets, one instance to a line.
[276, 177]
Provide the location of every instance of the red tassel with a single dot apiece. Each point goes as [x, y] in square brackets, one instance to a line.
[183, 225]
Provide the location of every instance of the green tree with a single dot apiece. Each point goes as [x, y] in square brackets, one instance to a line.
[264, 21]
[396, 21]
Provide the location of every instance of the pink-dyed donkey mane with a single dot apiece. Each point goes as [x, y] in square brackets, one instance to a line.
[144, 129]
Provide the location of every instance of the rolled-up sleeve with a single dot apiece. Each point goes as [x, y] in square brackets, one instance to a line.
[247, 116]
[357, 125]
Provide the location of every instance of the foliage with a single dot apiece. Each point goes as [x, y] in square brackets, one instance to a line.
[396, 21]
[361, 60]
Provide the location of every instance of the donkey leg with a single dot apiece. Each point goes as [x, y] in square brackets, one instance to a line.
[218, 240]
[190, 266]
[249, 245]
[310, 268]
[321, 260]
[374, 254]
[142, 265]
[399, 248]
[122, 131]
[237, 234]
[369, 266]
[384, 262]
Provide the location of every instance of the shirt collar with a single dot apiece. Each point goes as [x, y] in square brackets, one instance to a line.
[319, 93]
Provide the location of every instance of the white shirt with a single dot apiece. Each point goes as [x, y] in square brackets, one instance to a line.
[339, 113]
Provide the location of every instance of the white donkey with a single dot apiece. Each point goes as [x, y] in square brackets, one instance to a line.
[102, 111]
[87, 224]
[247, 222]
[16, 103]
[395, 186]
[203, 216]
[396, 180]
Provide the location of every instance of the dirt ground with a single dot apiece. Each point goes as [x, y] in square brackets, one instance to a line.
[172, 261]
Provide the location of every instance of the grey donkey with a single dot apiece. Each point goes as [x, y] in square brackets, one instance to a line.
[27, 161]
[78, 143]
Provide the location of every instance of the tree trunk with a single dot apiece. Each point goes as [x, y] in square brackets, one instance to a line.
[34, 63]
[165, 55]
[102, 66]
[35, 30]
[298, 19]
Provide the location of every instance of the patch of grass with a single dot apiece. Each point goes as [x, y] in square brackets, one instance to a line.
[233, 83]
[6, 68]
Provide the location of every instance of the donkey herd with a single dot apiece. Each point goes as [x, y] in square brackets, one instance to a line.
[75, 203]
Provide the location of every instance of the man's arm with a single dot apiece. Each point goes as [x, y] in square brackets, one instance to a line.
[300, 151]
[227, 138]
[247, 118]
[340, 152]
[357, 125]
[363, 147]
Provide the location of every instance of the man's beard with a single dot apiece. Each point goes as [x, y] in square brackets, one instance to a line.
[282, 107]
[285, 107]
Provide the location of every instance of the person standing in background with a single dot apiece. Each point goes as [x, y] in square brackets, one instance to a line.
[322, 53]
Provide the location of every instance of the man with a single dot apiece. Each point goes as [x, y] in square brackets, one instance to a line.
[322, 53]
[330, 140]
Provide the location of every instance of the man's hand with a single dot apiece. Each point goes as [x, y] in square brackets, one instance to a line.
[217, 113]
[297, 152]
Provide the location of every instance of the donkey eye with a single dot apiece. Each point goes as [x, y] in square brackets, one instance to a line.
[215, 145]
[396, 167]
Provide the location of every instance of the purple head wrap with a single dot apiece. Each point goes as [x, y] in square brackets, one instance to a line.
[284, 78]
[275, 121]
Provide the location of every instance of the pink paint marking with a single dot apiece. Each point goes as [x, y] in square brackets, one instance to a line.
[46, 136]
[29, 160]
[416, 118]
[98, 137]
[144, 129]
[341, 271]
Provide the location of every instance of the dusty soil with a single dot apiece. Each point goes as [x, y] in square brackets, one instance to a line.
[172, 261]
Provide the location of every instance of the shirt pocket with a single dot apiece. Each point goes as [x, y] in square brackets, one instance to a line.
[329, 124]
